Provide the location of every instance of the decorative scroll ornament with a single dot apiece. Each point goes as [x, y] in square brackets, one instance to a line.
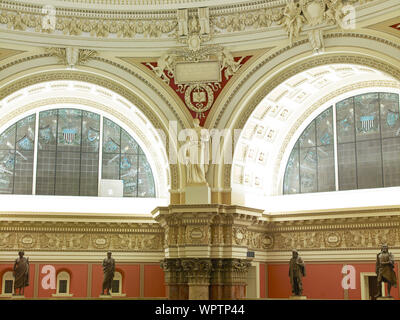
[198, 92]
[72, 56]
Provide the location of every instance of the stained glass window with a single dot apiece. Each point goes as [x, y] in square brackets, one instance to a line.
[123, 159]
[367, 147]
[16, 157]
[68, 152]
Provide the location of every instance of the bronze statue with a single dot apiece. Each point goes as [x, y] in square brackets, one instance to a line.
[109, 270]
[21, 273]
[297, 270]
[385, 270]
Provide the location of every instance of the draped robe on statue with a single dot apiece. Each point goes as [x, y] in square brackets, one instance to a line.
[21, 273]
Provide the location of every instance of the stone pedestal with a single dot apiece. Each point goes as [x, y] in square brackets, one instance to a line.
[197, 194]
[105, 296]
[385, 298]
[198, 292]
[297, 298]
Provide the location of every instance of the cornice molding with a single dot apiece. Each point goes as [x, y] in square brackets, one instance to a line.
[254, 16]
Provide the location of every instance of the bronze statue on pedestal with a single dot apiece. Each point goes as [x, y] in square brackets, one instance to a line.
[297, 270]
[108, 270]
[21, 273]
[385, 270]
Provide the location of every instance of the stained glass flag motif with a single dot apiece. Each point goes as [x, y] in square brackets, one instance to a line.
[311, 156]
[45, 134]
[326, 138]
[367, 123]
[344, 123]
[25, 143]
[391, 118]
[111, 145]
[92, 134]
[8, 162]
[125, 164]
[69, 135]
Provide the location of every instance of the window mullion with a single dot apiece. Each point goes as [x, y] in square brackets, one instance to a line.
[35, 153]
[100, 160]
[335, 148]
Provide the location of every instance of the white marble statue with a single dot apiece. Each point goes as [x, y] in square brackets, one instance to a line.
[197, 155]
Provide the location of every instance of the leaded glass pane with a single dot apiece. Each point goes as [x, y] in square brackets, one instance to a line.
[45, 172]
[89, 174]
[68, 151]
[326, 168]
[308, 170]
[390, 122]
[146, 181]
[129, 171]
[372, 120]
[307, 138]
[69, 130]
[26, 134]
[23, 172]
[369, 164]
[347, 166]
[111, 165]
[367, 116]
[324, 124]
[391, 163]
[7, 138]
[24, 155]
[128, 144]
[47, 130]
[90, 132]
[67, 173]
[7, 164]
[345, 121]
[111, 137]
[291, 181]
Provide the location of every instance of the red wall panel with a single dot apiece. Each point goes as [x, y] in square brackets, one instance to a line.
[130, 279]
[97, 280]
[355, 294]
[262, 280]
[154, 285]
[28, 291]
[78, 279]
[322, 281]
[278, 281]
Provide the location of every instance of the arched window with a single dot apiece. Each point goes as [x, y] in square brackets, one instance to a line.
[354, 144]
[63, 284]
[57, 152]
[7, 284]
[116, 285]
